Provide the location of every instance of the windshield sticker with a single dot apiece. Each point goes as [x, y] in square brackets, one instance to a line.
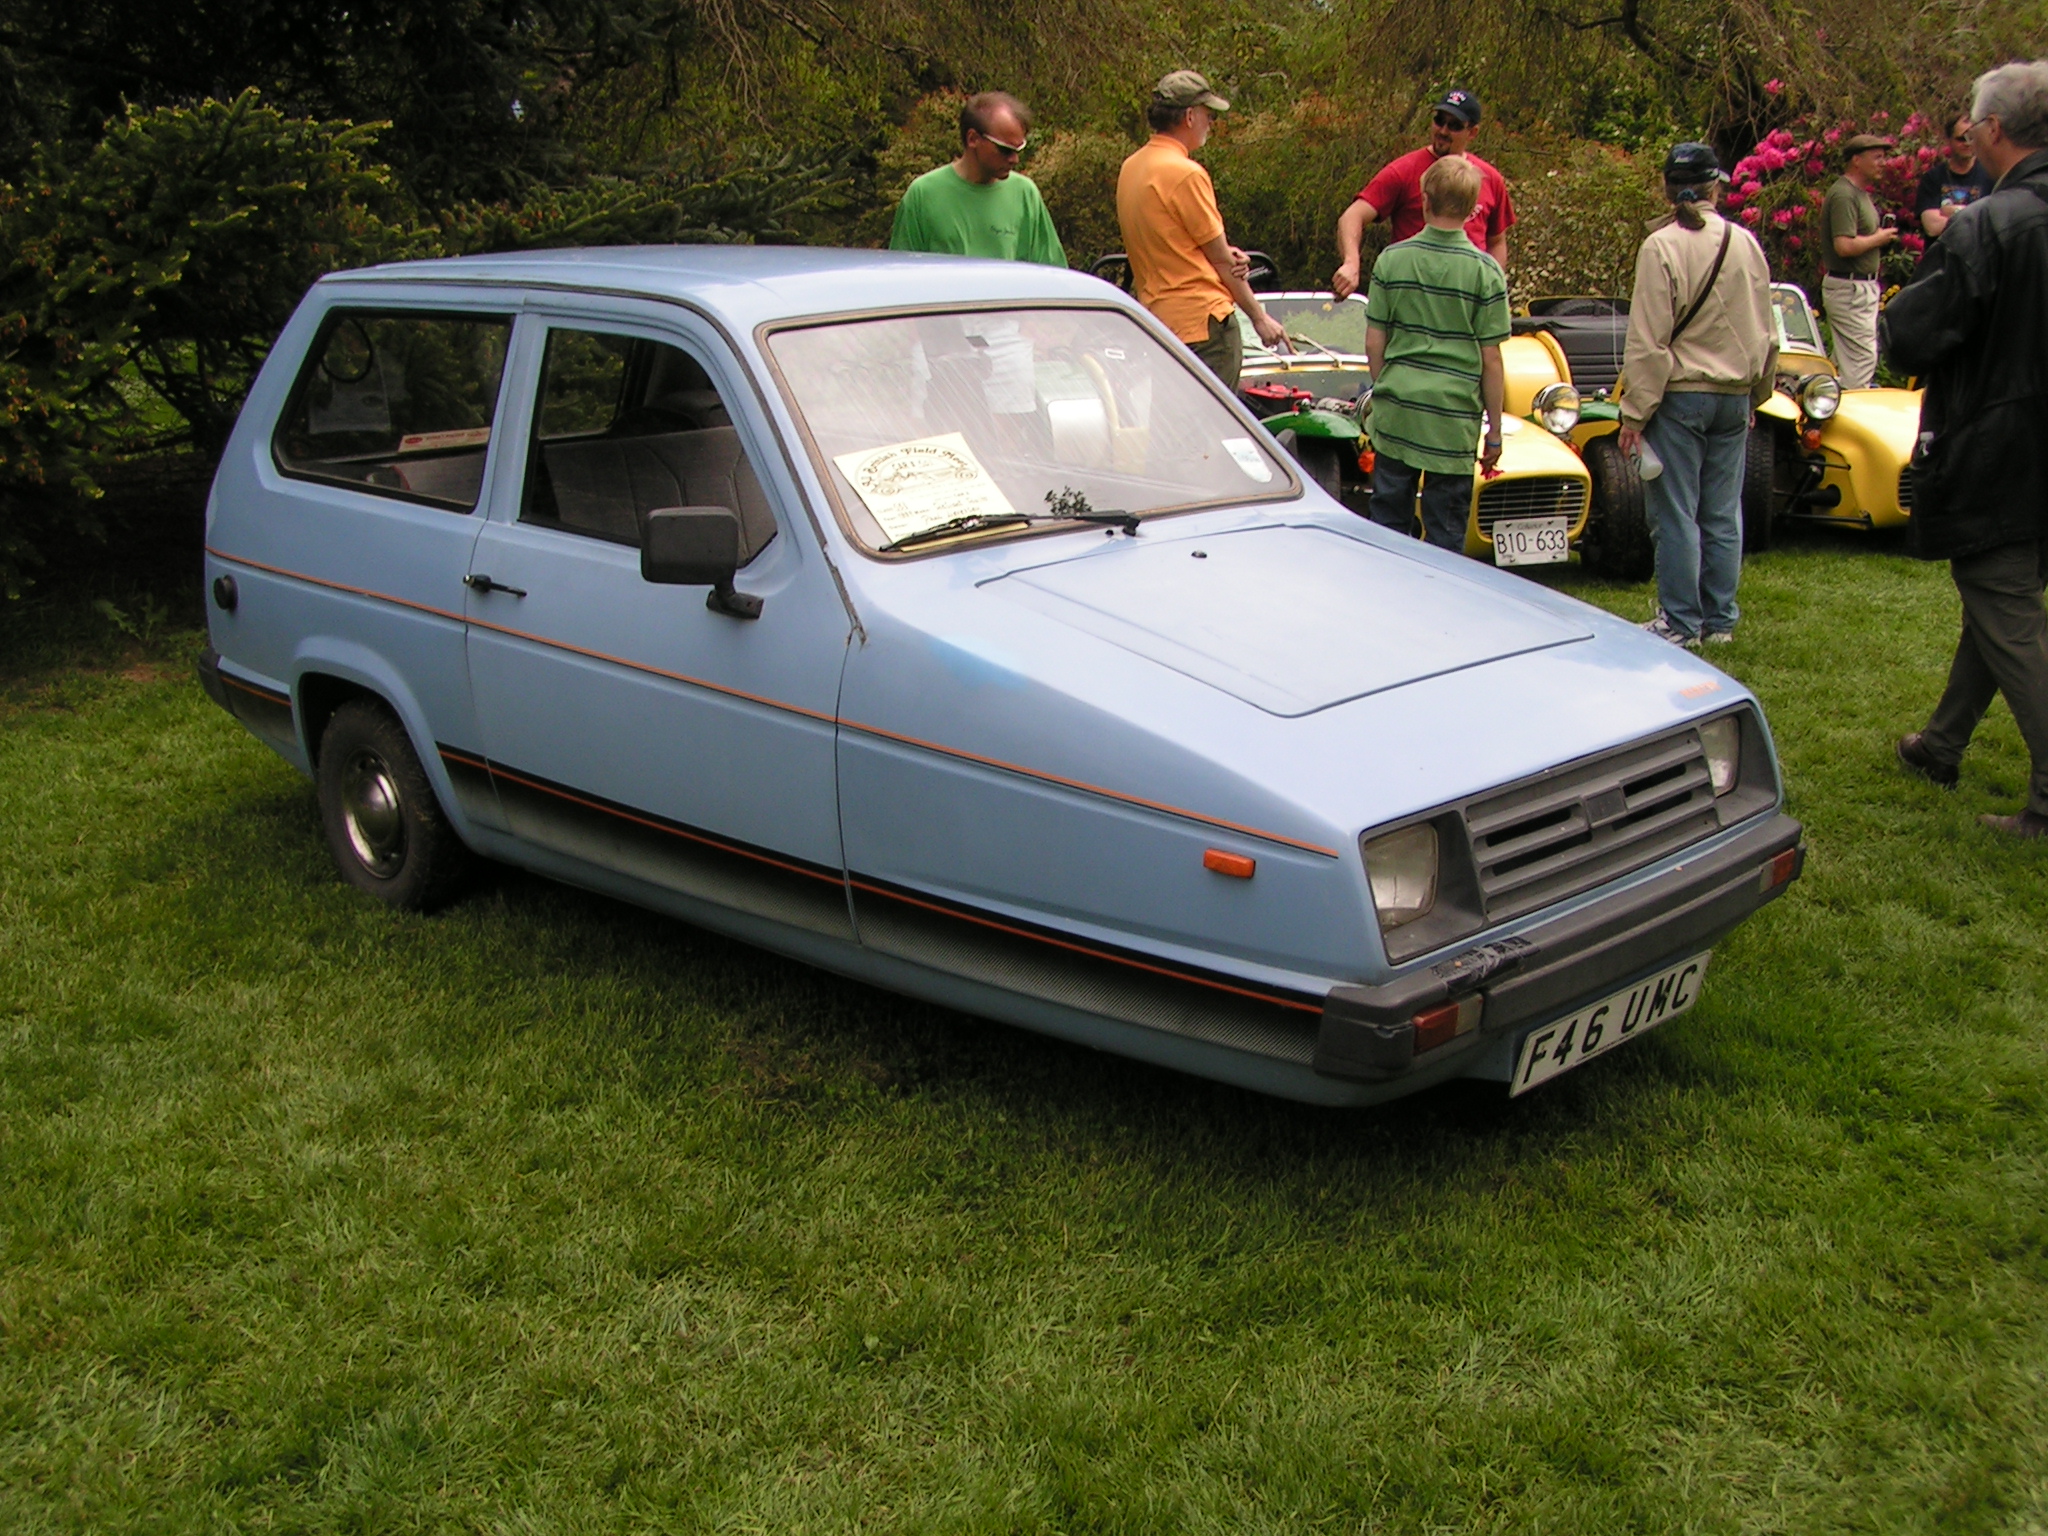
[461, 437]
[1248, 457]
[915, 486]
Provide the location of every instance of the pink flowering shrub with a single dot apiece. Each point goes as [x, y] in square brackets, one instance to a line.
[1778, 187]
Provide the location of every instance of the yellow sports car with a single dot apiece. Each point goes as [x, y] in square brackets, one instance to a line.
[1817, 454]
[1317, 402]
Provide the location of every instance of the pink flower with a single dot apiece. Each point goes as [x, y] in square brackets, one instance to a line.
[1914, 243]
[1733, 200]
[1795, 242]
[1880, 117]
[1774, 159]
[1782, 218]
[1751, 215]
[1914, 124]
[1774, 87]
[1926, 154]
[1814, 197]
[1779, 138]
[1815, 167]
[1750, 188]
[1833, 135]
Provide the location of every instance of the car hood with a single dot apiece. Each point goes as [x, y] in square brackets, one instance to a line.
[1289, 619]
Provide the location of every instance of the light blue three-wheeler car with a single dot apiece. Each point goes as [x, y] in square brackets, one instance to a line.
[944, 624]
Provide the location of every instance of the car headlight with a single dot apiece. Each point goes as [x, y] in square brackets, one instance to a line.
[1557, 407]
[1721, 740]
[1402, 867]
[1819, 396]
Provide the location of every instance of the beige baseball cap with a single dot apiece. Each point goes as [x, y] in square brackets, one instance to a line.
[1185, 88]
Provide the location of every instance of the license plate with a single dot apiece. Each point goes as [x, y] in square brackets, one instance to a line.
[1532, 540]
[1599, 1029]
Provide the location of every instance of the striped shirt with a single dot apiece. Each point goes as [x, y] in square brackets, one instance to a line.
[1439, 299]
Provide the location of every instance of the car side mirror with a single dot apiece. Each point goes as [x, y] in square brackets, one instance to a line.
[697, 547]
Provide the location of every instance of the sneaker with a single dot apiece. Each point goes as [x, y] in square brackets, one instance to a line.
[2026, 824]
[1718, 637]
[1914, 755]
[1662, 627]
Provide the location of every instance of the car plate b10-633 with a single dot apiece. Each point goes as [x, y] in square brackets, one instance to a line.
[1599, 1029]
[1531, 540]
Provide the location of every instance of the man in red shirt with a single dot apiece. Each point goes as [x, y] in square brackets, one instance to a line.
[1396, 193]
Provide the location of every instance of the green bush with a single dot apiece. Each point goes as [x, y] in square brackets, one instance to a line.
[152, 270]
[1583, 210]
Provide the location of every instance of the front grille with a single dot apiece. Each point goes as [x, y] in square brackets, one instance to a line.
[1906, 489]
[1588, 822]
[1535, 496]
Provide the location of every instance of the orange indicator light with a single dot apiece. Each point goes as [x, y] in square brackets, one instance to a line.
[1810, 439]
[1440, 1026]
[1779, 870]
[1236, 865]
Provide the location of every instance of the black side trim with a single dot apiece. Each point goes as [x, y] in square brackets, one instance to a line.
[208, 667]
[1107, 980]
[664, 852]
[266, 712]
[1366, 1031]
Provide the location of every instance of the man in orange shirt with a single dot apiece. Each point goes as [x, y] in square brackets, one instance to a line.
[1183, 269]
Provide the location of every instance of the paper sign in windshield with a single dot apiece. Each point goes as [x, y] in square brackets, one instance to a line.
[915, 486]
[1248, 458]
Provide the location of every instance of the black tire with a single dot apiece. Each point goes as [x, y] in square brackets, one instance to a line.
[1321, 461]
[1759, 489]
[387, 832]
[1617, 542]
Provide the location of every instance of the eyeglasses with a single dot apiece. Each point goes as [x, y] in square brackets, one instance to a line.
[1446, 120]
[1011, 150]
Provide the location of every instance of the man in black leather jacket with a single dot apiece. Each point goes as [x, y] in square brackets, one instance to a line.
[1974, 325]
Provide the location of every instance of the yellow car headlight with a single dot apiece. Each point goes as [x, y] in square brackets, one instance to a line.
[1557, 407]
[1819, 396]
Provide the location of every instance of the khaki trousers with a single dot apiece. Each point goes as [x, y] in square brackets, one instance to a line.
[2004, 649]
[1852, 315]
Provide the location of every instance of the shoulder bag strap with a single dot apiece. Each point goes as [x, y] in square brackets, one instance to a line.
[1727, 233]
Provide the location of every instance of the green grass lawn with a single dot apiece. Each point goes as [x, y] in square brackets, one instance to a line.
[547, 1215]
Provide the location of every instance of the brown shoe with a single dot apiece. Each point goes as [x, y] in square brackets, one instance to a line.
[2026, 824]
[1913, 753]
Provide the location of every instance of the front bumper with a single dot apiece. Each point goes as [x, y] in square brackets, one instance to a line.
[1550, 969]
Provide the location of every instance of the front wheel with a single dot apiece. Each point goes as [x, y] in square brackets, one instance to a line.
[1759, 489]
[1617, 543]
[387, 832]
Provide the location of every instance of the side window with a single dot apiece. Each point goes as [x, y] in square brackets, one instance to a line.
[399, 404]
[625, 426]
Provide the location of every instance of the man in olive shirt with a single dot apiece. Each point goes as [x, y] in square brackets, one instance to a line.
[979, 205]
[1853, 258]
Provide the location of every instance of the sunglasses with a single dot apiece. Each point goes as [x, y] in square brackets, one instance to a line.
[1446, 120]
[1012, 150]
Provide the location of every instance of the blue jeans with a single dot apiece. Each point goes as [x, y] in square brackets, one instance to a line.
[1446, 502]
[1696, 508]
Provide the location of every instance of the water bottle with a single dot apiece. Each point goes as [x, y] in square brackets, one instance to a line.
[1648, 465]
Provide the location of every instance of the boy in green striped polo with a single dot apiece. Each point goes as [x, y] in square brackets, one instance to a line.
[1436, 314]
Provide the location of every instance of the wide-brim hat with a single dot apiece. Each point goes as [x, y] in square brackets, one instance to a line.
[1863, 141]
[1185, 88]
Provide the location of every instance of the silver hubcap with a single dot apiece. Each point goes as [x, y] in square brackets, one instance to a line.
[373, 813]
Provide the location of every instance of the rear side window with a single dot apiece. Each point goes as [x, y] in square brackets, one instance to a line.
[398, 404]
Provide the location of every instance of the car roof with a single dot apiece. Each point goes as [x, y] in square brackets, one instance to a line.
[747, 284]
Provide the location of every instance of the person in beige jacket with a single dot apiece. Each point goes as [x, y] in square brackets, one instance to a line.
[1702, 354]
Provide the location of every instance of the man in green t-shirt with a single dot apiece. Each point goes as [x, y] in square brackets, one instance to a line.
[1853, 258]
[979, 205]
[1436, 313]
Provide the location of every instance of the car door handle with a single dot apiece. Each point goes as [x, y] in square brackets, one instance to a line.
[479, 582]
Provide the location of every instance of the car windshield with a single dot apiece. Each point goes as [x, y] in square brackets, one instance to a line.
[970, 421]
[1796, 327]
[1338, 324]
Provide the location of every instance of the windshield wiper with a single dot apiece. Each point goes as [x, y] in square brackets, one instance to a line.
[1068, 506]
